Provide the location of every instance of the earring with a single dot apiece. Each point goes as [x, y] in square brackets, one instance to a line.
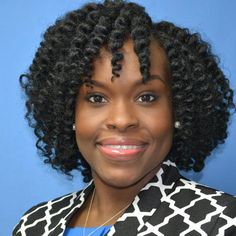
[73, 127]
[177, 125]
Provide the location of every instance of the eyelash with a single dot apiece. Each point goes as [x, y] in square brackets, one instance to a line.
[89, 96]
[154, 97]
[101, 97]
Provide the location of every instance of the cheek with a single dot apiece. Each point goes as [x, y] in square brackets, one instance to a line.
[160, 127]
[159, 121]
[88, 123]
[85, 130]
[161, 133]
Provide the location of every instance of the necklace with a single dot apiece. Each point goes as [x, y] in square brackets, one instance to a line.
[86, 220]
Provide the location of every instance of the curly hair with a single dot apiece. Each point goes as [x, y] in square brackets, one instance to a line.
[201, 96]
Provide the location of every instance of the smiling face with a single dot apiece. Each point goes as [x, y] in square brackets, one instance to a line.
[124, 128]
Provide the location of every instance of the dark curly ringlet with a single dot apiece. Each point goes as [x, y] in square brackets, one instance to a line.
[202, 98]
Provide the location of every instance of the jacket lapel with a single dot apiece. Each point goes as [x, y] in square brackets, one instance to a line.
[144, 208]
[76, 204]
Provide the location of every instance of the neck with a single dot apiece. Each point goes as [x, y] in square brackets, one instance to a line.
[109, 198]
[109, 202]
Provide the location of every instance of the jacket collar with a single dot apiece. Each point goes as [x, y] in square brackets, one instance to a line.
[143, 207]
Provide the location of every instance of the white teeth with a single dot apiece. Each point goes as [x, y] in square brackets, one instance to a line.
[124, 147]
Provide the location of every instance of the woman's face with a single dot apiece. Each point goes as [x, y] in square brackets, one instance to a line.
[124, 128]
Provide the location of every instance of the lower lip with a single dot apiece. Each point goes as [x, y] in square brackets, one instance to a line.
[122, 154]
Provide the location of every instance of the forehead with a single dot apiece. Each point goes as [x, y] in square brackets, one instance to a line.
[130, 64]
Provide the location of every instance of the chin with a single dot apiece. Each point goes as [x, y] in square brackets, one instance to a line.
[120, 183]
[123, 180]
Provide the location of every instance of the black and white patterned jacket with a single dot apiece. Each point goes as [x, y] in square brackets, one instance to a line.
[169, 205]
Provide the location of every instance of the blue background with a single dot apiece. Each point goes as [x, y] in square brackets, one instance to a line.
[24, 179]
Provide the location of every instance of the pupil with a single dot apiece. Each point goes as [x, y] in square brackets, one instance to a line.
[97, 98]
[146, 98]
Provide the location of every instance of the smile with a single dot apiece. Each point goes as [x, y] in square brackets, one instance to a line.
[123, 147]
[122, 152]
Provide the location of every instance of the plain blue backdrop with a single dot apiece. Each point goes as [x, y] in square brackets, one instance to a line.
[24, 179]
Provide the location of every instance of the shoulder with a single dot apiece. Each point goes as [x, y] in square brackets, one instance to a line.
[196, 191]
[35, 219]
[213, 210]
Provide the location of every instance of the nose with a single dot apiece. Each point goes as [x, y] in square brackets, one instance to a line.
[122, 116]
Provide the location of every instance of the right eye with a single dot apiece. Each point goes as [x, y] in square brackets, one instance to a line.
[96, 98]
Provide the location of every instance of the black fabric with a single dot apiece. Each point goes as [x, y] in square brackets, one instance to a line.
[169, 205]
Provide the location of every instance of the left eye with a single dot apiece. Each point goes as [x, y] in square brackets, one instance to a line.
[145, 98]
[96, 98]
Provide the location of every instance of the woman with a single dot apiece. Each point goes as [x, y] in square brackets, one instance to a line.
[127, 101]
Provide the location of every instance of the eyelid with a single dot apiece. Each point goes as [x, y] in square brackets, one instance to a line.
[92, 94]
[153, 94]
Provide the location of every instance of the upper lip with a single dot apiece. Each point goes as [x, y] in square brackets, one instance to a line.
[121, 141]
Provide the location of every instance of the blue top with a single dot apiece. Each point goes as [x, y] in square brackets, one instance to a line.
[79, 231]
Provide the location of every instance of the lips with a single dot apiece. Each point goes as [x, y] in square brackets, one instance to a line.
[123, 149]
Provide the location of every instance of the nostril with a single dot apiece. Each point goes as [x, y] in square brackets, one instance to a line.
[111, 126]
[122, 118]
[122, 126]
[132, 125]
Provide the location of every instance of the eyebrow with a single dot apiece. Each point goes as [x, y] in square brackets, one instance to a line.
[138, 82]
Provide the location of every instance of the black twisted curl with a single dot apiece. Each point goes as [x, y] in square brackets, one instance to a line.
[202, 98]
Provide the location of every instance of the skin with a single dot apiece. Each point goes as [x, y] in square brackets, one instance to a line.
[123, 109]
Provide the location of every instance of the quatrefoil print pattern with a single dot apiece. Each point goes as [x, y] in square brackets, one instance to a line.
[169, 205]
